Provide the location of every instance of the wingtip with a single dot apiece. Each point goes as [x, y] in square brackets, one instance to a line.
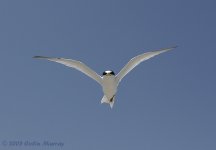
[168, 49]
[39, 57]
[174, 46]
[36, 56]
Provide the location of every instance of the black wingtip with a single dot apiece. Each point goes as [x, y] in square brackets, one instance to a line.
[40, 57]
[169, 48]
[175, 46]
[36, 57]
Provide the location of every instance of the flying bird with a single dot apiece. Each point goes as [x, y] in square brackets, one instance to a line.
[108, 80]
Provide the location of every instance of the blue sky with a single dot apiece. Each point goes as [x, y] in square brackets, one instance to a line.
[166, 103]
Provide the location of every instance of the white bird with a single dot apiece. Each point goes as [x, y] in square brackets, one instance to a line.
[109, 81]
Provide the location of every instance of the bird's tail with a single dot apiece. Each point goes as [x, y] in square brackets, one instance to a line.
[105, 100]
[111, 104]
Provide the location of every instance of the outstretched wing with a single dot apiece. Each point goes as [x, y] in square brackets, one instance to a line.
[75, 64]
[137, 60]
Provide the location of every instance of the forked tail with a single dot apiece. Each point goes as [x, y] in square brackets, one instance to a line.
[104, 100]
[111, 101]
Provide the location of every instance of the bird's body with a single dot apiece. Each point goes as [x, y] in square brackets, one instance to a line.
[109, 86]
[109, 81]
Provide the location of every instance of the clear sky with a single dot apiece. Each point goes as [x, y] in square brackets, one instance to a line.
[166, 103]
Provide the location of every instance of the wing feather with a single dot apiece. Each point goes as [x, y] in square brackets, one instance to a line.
[137, 60]
[76, 65]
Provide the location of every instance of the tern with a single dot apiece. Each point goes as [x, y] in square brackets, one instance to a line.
[108, 80]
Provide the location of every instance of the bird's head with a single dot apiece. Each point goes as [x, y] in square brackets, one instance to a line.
[108, 73]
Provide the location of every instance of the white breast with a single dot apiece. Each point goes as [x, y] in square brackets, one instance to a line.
[109, 86]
